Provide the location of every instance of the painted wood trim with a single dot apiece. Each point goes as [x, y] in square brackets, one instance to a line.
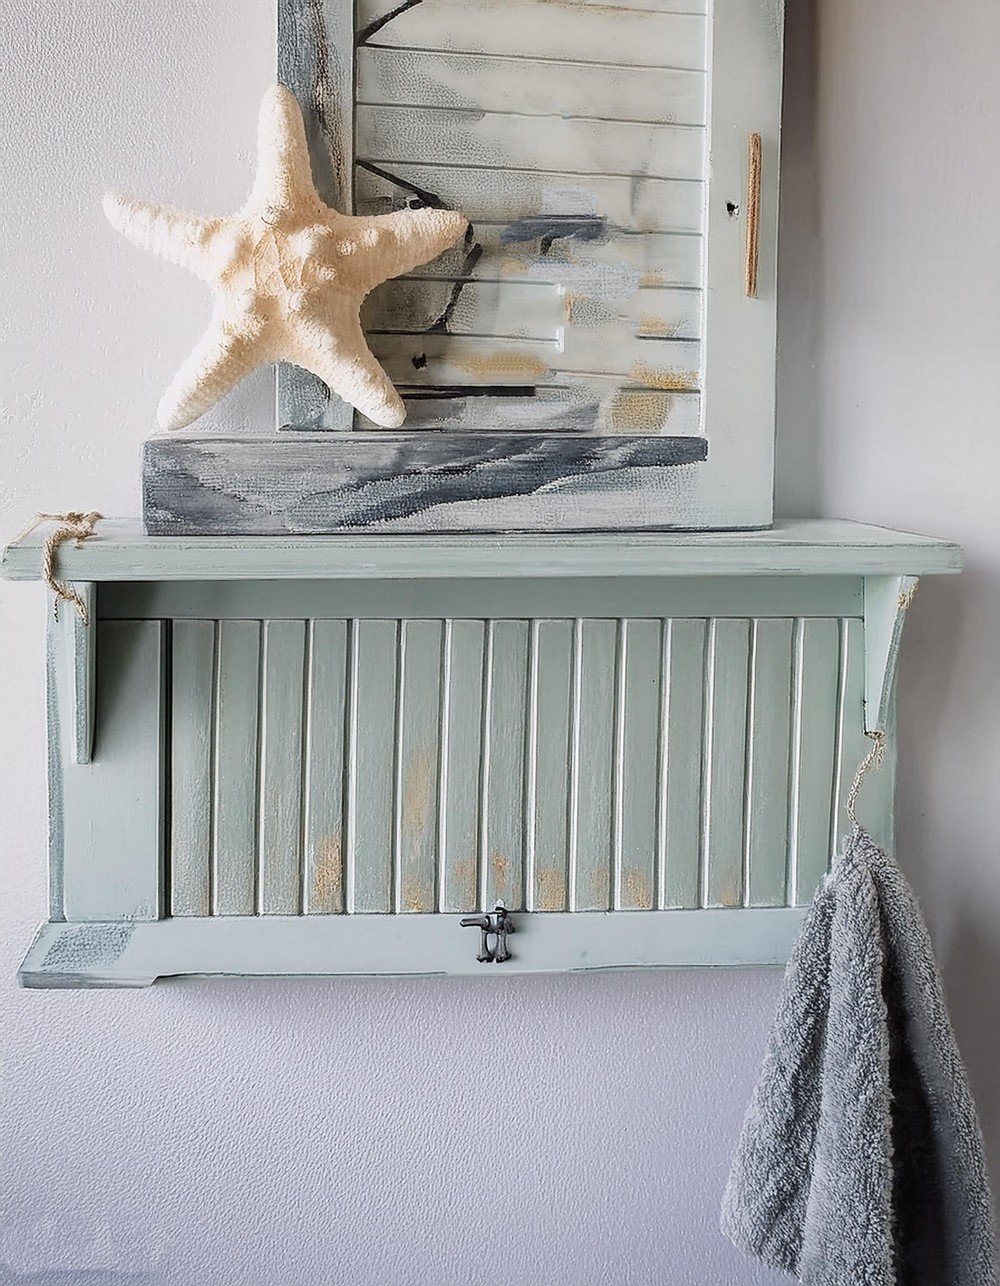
[135, 954]
[119, 551]
[315, 59]
[110, 838]
[887, 599]
[78, 649]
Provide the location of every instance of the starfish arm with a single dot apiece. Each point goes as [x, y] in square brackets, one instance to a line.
[225, 353]
[399, 242]
[284, 170]
[343, 361]
[172, 234]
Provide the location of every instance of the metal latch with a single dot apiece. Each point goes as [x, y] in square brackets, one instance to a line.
[495, 925]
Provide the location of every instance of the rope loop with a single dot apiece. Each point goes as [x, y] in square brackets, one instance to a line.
[872, 762]
[73, 526]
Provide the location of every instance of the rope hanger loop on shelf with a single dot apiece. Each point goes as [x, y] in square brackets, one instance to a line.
[72, 526]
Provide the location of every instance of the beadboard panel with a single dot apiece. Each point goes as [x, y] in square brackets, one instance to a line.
[440, 764]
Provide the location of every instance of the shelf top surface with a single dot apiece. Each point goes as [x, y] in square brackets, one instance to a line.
[119, 551]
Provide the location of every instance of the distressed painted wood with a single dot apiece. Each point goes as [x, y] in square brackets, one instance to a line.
[373, 700]
[370, 740]
[191, 766]
[768, 747]
[791, 548]
[325, 767]
[488, 83]
[681, 759]
[237, 766]
[283, 660]
[315, 47]
[576, 138]
[595, 645]
[397, 482]
[724, 788]
[108, 844]
[418, 723]
[134, 955]
[460, 781]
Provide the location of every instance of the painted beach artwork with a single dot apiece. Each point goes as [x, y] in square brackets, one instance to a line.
[587, 357]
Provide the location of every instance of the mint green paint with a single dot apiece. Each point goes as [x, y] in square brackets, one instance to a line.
[414, 746]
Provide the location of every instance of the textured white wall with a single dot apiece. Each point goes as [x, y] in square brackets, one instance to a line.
[357, 1133]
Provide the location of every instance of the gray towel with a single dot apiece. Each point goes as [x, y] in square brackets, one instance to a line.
[861, 1159]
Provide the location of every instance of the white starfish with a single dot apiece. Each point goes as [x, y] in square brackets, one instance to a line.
[289, 274]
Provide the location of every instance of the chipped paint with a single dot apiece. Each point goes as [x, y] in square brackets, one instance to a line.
[677, 381]
[499, 866]
[327, 874]
[637, 887]
[550, 890]
[418, 894]
[466, 875]
[418, 791]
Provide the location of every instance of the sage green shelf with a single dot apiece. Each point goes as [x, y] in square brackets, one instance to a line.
[316, 755]
[120, 551]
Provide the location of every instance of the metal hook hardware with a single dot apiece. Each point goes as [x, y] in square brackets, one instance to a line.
[491, 925]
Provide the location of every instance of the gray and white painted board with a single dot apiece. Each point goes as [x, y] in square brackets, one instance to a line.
[405, 482]
[603, 243]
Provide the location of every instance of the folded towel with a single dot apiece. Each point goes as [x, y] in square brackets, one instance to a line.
[861, 1158]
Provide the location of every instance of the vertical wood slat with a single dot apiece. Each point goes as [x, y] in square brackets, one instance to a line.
[725, 762]
[552, 714]
[191, 762]
[462, 717]
[502, 841]
[769, 745]
[418, 766]
[371, 801]
[595, 696]
[591, 778]
[237, 714]
[819, 682]
[681, 800]
[323, 827]
[279, 831]
[638, 751]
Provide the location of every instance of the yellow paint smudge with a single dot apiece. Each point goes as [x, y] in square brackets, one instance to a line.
[634, 412]
[515, 366]
[677, 381]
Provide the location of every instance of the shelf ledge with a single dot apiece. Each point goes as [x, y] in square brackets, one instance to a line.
[119, 551]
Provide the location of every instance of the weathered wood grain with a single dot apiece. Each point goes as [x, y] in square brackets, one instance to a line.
[392, 480]
[529, 87]
[536, 29]
[283, 660]
[500, 198]
[442, 136]
[237, 767]
[315, 49]
[191, 768]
